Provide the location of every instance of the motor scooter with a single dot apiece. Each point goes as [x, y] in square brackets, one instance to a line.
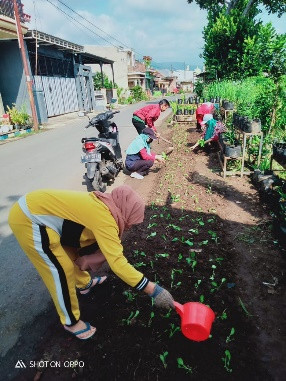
[101, 155]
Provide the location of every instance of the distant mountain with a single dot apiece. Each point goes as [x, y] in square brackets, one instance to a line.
[174, 65]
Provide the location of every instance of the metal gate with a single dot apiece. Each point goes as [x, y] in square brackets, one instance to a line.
[60, 94]
[85, 87]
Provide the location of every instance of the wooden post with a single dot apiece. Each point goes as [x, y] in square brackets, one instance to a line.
[26, 68]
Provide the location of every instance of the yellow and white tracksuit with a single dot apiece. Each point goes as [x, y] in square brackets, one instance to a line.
[51, 225]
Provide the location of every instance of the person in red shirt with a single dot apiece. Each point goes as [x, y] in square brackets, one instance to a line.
[146, 116]
[139, 158]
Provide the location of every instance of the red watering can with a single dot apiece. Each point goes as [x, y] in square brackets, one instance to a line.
[196, 320]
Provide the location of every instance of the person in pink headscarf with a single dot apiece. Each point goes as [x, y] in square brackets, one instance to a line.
[53, 226]
[203, 109]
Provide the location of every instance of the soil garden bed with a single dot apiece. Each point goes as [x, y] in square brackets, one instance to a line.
[204, 239]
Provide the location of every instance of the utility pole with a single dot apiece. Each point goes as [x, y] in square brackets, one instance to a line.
[26, 68]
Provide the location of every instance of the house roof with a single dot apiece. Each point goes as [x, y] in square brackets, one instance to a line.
[42, 38]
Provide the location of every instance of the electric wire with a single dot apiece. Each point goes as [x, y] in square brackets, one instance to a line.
[62, 11]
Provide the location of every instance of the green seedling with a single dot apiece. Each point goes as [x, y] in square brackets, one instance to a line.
[138, 252]
[173, 329]
[189, 243]
[198, 282]
[139, 264]
[218, 260]
[180, 257]
[175, 197]
[173, 278]
[230, 336]
[202, 298]
[200, 221]
[223, 316]
[213, 235]
[195, 231]
[217, 286]
[154, 216]
[130, 319]
[205, 242]
[152, 225]
[164, 237]
[201, 143]
[153, 205]
[153, 234]
[152, 264]
[226, 360]
[175, 227]
[191, 260]
[162, 255]
[209, 190]
[163, 359]
[181, 365]
[152, 314]
[164, 155]
[168, 314]
[130, 295]
[195, 198]
[212, 277]
[243, 307]
[210, 220]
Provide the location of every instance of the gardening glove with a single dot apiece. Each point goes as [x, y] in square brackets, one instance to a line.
[162, 298]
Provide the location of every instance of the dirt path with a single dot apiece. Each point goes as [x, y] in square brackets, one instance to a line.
[204, 238]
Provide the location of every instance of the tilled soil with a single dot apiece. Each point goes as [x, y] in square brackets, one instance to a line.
[204, 238]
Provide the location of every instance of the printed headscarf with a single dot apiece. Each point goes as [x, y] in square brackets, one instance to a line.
[125, 205]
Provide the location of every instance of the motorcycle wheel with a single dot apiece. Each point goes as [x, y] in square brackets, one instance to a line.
[97, 183]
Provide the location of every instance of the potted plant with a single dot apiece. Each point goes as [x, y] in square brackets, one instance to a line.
[19, 118]
[233, 147]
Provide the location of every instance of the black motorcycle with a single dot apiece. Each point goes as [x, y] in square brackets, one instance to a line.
[102, 155]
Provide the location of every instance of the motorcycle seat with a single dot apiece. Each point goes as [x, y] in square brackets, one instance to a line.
[90, 139]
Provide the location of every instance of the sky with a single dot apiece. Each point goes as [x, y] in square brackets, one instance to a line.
[166, 30]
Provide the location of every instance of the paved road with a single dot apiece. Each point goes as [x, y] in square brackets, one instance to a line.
[47, 160]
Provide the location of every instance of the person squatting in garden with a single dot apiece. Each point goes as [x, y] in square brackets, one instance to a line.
[139, 158]
[212, 128]
[52, 225]
[146, 116]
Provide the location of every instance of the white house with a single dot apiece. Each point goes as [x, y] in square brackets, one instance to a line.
[123, 58]
[187, 78]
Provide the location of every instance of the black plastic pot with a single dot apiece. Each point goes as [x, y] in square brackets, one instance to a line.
[217, 99]
[186, 111]
[205, 100]
[179, 112]
[246, 124]
[180, 101]
[235, 119]
[197, 100]
[212, 100]
[279, 230]
[228, 105]
[232, 151]
[191, 111]
[279, 153]
[191, 100]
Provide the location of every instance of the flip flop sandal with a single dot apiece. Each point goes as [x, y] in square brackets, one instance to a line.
[82, 331]
[98, 279]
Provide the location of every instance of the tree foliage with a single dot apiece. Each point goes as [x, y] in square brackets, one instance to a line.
[97, 81]
[237, 46]
[215, 6]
